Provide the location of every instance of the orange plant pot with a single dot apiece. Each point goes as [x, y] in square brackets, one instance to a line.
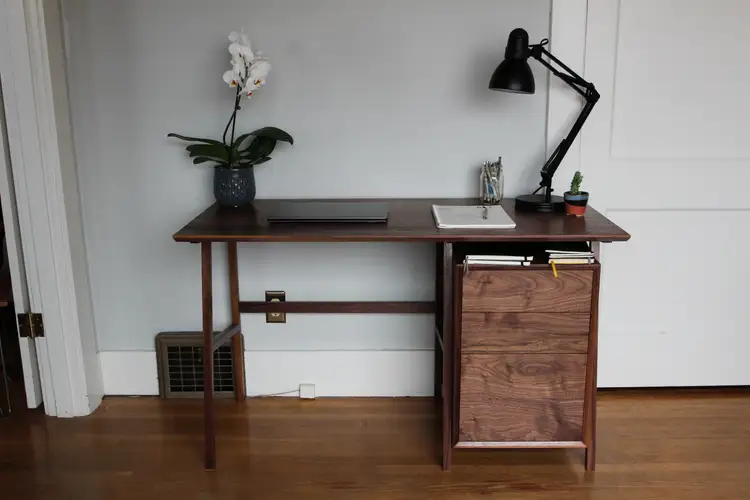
[575, 204]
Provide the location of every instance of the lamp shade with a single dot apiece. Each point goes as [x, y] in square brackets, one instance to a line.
[514, 73]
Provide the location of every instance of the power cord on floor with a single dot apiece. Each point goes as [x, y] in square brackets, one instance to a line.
[295, 391]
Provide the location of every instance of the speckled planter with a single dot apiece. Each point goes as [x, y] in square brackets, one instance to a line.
[234, 187]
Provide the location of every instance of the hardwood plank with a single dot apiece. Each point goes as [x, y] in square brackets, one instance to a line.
[525, 332]
[522, 397]
[371, 449]
[527, 291]
[408, 220]
[322, 307]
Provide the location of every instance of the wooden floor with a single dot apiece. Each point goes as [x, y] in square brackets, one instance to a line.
[662, 445]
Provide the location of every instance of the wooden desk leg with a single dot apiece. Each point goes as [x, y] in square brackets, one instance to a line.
[589, 430]
[208, 358]
[238, 346]
[438, 321]
[447, 311]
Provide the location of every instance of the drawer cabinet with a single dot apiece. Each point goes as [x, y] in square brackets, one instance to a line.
[527, 291]
[525, 332]
[519, 398]
[527, 357]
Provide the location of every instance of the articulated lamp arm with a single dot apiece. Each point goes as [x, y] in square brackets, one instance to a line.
[589, 93]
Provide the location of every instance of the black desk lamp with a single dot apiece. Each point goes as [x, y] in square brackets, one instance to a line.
[514, 75]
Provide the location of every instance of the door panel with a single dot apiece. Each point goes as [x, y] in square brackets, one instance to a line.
[32, 381]
[665, 154]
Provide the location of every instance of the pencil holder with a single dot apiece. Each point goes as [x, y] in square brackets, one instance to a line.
[491, 183]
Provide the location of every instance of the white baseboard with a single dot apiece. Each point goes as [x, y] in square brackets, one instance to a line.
[334, 373]
[129, 373]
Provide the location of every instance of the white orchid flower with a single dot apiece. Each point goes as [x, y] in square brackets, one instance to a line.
[231, 78]
[249, 71]
[257, 76]
[259, 70]
[239, 66]
[240, 49]
[239, 37]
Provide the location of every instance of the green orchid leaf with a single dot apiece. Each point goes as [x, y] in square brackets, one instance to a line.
[196, 139]
[204, 159]
[273, 133]
[238, 142]
[261, 161]
[210, 150]
[259, 148]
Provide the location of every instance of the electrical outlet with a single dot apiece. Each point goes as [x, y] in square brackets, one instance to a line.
[307, 391]
[278, 296]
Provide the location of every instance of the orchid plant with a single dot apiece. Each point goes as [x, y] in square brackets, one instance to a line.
[248, 73]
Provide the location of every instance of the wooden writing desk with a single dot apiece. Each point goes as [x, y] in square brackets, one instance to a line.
[410, 220]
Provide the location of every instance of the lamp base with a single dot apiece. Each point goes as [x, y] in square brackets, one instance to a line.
[537, 203]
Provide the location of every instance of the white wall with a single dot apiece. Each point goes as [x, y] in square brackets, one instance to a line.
[384, 98]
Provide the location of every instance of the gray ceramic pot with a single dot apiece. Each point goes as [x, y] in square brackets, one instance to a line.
[234, 187]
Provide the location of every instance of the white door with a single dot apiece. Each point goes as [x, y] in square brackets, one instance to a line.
[32, 380]
[666, 155]
[42, 160]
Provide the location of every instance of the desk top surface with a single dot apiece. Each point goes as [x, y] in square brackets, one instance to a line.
[408, 220]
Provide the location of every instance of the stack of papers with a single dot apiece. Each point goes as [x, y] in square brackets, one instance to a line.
[570, 257]
[472, 217]
[499, 260]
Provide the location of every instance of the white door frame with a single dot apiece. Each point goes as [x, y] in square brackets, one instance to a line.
[40, 141]
[567, 43]
[20, 290]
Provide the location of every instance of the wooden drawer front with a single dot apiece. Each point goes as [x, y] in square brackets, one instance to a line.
[522, 397]
[523, 291]
[525, 332]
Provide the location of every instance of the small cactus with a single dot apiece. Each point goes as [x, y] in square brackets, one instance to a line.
[575, 184]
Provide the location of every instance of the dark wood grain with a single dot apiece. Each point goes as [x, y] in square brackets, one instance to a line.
[522, 397]
[449, 353]
[527, 291]
[381, 307]
[456, 381]
[209, 431]
[238, 344]
[518, 445]
[408, 220]
[224, 336]
[525, 332]
[438, 380]
[589, 430]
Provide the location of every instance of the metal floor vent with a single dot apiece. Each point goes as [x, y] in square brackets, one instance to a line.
[179, 361]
